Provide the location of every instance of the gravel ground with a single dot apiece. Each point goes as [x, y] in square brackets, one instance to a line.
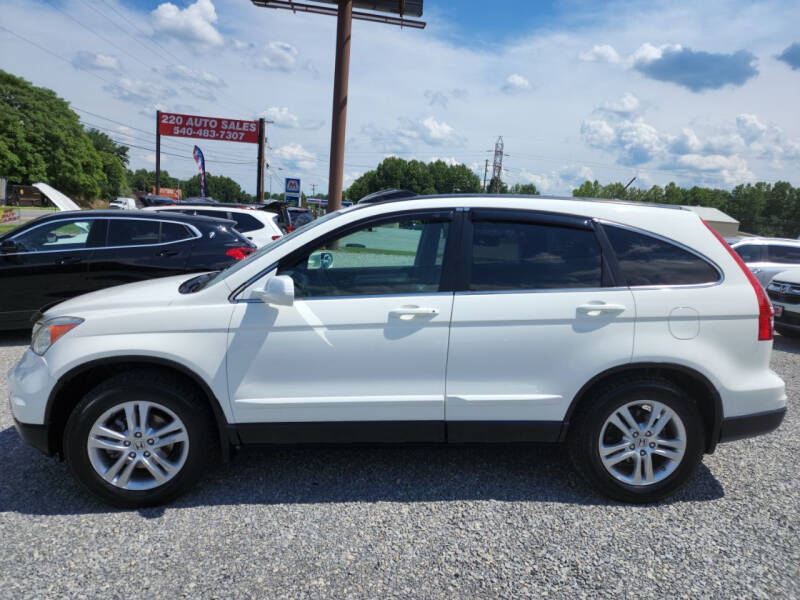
[419, 522]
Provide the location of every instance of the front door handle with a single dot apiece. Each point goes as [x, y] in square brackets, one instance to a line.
[68, 260]
[595, 309]
[409, 312]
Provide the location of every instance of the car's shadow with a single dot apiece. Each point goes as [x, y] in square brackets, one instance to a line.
[786, 343]
[15, 338]
[33, 484]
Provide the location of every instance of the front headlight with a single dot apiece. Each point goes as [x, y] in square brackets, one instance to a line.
[47, 331]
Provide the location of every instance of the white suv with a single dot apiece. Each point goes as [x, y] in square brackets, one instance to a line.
[259, 226]
[632, 333]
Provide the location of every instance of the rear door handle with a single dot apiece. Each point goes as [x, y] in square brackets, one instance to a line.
[592, 309]
[167, 253]
[409, 312]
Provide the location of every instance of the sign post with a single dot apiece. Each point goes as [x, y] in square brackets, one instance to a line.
[260, 177]
[158, 153]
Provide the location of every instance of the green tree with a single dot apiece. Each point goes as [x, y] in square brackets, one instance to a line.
[527, 189]
[436, 177]
[114, 159]
[41, 139]
[143, 180]
[219, 187]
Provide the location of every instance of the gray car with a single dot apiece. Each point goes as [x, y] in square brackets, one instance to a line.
[766, 257]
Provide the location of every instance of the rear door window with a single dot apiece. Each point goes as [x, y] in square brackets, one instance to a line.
[133, 232]
[783, 254]
[531, 256]
[645, 260]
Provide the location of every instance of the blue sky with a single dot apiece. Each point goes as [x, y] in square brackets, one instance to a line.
[692, 92]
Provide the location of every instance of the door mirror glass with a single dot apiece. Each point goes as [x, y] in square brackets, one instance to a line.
[278, 290]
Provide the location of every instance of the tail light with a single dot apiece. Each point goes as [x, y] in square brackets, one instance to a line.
[239, 252]
[764, 306]
[276, 237]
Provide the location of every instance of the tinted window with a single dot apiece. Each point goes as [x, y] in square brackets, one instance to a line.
[645, 260]
[59, 235]
[529, 256]
[172, 232]
[399, 257]
[749, 252]
[245, 222]
[783, 254]
[216, 214]
[132, 232]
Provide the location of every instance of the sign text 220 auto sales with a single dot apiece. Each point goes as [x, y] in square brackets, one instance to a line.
[193, 126]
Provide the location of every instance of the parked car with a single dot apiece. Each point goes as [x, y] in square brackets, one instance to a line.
[784, 291]
[766, 257]
[56, 257]
[289, 217]
[495, 319]
[258, 226]
[154, 200]
[123, 203]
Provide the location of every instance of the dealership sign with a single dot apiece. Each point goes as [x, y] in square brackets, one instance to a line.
[210, 128]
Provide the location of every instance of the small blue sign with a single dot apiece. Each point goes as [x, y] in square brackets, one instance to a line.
[292, 186]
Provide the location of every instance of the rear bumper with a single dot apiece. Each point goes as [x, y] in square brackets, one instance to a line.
[36, 435]
[745, 426]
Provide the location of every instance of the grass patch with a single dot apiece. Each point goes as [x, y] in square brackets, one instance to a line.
[6, 228]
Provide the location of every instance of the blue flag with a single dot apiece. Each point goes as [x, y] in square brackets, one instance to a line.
[201, 166]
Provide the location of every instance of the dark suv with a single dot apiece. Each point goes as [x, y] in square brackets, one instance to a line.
[66, 254]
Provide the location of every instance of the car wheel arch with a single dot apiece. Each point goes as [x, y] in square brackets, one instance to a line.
[73, 385]
[694, 383]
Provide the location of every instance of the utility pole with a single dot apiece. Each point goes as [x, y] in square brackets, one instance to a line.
[497, 165]
[485, 170]
[260, 175]
[158, 154]
[313, 190]
[344, 13]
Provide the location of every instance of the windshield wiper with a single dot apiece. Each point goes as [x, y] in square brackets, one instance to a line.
[195, 284]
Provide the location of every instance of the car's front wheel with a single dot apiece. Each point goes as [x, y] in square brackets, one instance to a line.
[138, 439]
[637, 441]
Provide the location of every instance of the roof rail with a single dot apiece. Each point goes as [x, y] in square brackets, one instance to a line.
[388, 194]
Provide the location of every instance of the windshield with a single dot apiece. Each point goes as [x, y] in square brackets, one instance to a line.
[235, 267]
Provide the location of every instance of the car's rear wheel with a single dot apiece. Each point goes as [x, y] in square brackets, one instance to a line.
[138, 439]
[637, 441]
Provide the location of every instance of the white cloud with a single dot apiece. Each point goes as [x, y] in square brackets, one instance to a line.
[240, 45]
[750, 128]
[516, 83]
[194, 75]
[194, 24]
[732, 169]
[284, 118]
[450, 161]
[601, 53]
[99, 62]
[435, 132]
[625, 106]
[598, 133]
[279, 55]
[296, 156]
[139, 91]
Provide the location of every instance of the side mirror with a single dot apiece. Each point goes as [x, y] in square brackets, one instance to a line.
[9, 246]
[278, 290]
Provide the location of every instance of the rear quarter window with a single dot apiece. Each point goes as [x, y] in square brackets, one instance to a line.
[646, 260]
[245, 222]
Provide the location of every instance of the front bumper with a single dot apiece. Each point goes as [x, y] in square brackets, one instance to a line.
[37, 436]
[745, 426]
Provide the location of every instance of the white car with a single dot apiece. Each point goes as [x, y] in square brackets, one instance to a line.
[259, 226]
[630, 332]
[123, 203]
[784, 291]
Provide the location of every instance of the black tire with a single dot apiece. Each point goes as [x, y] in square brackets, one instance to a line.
[588, 422]
[787, 331]
[148, 385]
